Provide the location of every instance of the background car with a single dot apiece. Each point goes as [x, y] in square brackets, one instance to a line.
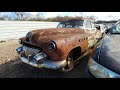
[104, 61]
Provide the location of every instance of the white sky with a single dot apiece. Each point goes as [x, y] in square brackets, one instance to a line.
[100, 15]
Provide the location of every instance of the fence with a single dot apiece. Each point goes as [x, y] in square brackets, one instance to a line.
[17, 29]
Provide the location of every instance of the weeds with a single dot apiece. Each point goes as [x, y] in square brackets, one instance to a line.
[2, 41]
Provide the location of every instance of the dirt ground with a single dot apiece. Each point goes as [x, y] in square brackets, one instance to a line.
[12, 67]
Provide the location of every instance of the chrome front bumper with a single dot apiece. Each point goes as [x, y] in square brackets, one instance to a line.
[43, 61]
[100, 71]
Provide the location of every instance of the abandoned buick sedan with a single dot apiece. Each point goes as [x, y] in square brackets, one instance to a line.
[58, 48]
[105, 58]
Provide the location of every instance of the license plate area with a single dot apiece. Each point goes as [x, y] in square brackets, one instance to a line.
[30, 58]
[30, 51]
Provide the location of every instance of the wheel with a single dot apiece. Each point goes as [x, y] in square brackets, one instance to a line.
[70, 64]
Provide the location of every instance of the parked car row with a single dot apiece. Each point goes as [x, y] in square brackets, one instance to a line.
[61, 47]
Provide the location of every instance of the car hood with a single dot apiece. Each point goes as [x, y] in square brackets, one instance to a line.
[44, 35]
[110, 52]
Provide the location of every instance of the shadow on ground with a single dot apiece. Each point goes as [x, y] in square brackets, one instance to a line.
[18, 69]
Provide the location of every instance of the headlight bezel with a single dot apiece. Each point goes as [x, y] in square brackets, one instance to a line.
[52, 46]
[29, 35]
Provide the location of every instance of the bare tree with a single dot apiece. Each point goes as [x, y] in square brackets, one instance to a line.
[20, 15]
[0, 14]
[23, 15]
[1, 18]
[6, 17]
[39, 16]
[27, 16]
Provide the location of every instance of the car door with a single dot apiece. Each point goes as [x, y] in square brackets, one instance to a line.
[91, 31]
[97, 32]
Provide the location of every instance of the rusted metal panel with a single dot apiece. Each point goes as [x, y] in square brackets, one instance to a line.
[65, 39]
[68, 42]
[65, 45]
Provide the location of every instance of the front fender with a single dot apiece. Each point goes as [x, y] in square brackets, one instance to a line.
[65, 45]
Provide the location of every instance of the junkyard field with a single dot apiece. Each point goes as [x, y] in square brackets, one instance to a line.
[12, 67]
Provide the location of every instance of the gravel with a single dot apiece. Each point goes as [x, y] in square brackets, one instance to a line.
[12, 67]
[7, 51]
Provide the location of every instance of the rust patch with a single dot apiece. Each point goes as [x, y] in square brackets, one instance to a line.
[65, 39]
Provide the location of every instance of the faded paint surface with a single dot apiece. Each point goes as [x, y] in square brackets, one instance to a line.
[66, 39]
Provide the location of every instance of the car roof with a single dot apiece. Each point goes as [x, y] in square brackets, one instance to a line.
[70, 20]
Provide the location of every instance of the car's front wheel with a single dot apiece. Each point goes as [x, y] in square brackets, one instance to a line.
[70, 64]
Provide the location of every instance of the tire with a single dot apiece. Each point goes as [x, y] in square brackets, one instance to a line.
[70, 64]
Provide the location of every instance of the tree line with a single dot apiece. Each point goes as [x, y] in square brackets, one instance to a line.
[23, 16]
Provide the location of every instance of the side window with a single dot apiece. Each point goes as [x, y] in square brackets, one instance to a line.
[88, 24]
[60, 25]
[93, 25]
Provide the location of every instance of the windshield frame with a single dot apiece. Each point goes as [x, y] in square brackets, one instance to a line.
[76, 23]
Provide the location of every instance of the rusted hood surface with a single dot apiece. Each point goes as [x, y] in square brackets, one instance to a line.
[65, 39]
[44, 35]
[56, 31]
[110, 52]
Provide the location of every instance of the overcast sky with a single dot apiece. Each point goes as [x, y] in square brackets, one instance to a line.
[100, 15]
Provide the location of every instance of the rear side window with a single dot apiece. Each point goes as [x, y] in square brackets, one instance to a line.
[88, 24]
[71, 24]
[93, 25]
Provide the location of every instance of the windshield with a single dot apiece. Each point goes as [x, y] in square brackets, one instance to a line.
[71, 24]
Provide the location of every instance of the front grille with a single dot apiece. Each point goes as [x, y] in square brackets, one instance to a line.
[31, 45]
[30, 51]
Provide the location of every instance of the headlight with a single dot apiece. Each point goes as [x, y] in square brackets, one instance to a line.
[19, 50]
[39, 57]
[29, 34]
[52, 46]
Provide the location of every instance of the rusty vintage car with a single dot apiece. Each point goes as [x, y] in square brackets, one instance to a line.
[58, 48]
